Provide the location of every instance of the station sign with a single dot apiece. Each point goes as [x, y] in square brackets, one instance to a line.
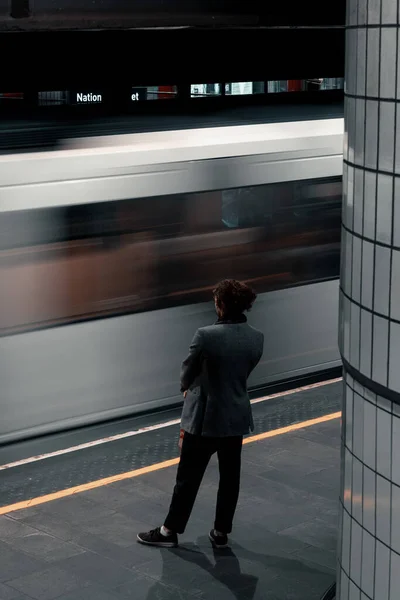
[138, 94]
[85, 97]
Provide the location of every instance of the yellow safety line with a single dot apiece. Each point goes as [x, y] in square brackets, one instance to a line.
[289, 428]
[151, 468]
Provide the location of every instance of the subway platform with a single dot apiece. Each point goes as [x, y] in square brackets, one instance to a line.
[69, 514]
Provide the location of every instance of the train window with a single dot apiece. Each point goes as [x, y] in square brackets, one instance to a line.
[7, 98]
[249, 88]
[160, 92]
[148, 253]
[53, 98]
[205, 90]
[244, 88]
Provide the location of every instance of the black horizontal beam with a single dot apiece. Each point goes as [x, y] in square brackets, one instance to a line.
[66, 14]
[64, 59]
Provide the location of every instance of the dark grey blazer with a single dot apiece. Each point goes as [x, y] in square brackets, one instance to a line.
[215, 373]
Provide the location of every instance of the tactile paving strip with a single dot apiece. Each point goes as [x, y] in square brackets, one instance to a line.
[62, 472]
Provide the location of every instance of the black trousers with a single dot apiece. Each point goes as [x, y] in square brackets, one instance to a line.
[195, 456]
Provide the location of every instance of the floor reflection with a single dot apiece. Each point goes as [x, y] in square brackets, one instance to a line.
[222, 565]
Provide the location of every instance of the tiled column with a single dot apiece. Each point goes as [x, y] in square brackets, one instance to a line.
[369, 546]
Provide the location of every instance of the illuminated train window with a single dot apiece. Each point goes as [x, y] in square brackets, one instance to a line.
[53, 98]
[160, 92]
[304, 85]
[205, 90]
[244, 88]
[11, 97]
[250, 88]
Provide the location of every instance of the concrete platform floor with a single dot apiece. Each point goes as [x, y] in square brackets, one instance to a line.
[83, 547]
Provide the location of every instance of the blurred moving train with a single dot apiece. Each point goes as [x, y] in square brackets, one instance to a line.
[110, 248]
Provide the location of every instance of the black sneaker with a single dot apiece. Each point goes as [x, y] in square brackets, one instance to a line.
[218, 541]
[156, 538]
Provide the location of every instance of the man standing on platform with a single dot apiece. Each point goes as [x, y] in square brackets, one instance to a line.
[216, 413]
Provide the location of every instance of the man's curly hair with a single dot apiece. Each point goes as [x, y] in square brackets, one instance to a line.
[234, 296]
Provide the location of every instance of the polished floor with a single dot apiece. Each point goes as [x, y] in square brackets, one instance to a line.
[81, 544]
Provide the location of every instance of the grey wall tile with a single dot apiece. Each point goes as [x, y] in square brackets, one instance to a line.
[386, 135]
[351, 49]
[382, 280]
[366, 343]
[348, 484]
[369, 448]
[394, 576]
[360, 133]
[346, 542]
[340, 518]
[367, 281]
[352, 13]
[361, 61]
[368, 564]
[380, 350]
[345, 321]
[397, 141]
[356, 270]
[346, 127]
[398, 70]
[396, 216]
[384, 403]
[358, 426]
[348, 267]
[374, 12]
[355, 335]
[357, 491]
[394, 371]
[382, 571]
[395, 286]
[369, 501]
[383, 495]
[371, 133]
[355, 553]
[344, 586]
[349, 197]
[354, 592]
[373, 41]
[341, 320]
[347, 43]
[384, 209]
[396, 450]
[370, 396]
[362, 12]
[348, 423]
[388, 60]
[344, 198]
[343, 260]
[389, 13]
[351, 114]
[358, 200]
[349, 380]
[358, 388]
[369, 205]
[384, 444]
[395, 510]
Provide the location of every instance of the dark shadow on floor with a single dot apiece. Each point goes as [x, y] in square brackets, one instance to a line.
[228, 567]
[224, 568]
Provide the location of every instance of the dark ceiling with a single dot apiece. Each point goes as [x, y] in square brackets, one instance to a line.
[94, 14]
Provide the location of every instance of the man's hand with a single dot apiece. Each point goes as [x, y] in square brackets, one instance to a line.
[185, 393]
